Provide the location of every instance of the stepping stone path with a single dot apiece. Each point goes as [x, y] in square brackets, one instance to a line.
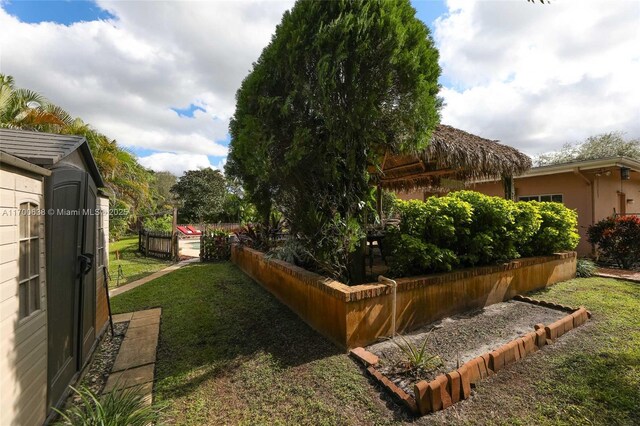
[136, 360]
[620, 274]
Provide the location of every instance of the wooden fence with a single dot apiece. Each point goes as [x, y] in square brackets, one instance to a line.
[155, 244]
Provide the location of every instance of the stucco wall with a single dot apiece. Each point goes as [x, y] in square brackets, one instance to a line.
[23, 342]
[358, 315]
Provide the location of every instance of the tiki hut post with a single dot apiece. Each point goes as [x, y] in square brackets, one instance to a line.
[509, 188]
[379, 201]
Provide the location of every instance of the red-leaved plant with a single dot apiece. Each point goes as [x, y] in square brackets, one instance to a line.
[617, 240]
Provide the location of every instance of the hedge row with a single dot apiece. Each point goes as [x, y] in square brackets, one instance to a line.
[467, 228]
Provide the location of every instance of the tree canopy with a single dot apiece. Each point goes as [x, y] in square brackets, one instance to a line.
[201, 194]
[605, 145]
[340, 84]
[124, 177]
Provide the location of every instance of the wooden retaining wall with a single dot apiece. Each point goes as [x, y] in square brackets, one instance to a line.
[358, 315]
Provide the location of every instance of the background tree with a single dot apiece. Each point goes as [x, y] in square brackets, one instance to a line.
[340, 84]
[161, 185]
[605, 145]
[29, 110]
[124, 177]
[201, 195]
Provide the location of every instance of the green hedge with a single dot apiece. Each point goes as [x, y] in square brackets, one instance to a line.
[467, 228]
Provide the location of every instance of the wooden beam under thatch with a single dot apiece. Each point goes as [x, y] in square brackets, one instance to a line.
[453, 154]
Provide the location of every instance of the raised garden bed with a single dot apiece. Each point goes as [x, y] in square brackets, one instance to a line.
[461, 338]
[359, 315]
[471, 348]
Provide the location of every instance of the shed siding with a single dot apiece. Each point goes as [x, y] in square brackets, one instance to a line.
[23, 353]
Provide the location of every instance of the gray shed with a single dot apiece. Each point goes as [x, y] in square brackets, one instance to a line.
[74, 233]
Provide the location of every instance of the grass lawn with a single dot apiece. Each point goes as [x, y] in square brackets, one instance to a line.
[230, 353]
[134, 265]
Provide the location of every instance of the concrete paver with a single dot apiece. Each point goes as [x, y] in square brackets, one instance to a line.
[128, 378]
[134, 366]
[620, 274]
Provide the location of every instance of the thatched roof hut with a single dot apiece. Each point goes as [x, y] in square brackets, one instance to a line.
[452, 156]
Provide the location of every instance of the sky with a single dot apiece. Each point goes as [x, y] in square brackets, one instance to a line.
[160, 77]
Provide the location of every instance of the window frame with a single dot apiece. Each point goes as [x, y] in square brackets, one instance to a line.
[536, 197]
[29, 275]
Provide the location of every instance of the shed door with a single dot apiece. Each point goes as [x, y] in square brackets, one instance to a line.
[70, 276]
[88, 287]
[64, 194]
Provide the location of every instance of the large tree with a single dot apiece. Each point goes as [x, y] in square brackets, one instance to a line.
[340, 84]
[201, 194]
[606, 145]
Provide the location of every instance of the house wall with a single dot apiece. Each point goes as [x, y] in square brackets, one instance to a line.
[102, 310]
[23, 343]
[592, 193]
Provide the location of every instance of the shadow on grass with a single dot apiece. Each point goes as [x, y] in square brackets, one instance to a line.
[214, 317]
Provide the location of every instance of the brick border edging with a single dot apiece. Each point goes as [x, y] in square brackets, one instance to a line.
[370, 361]
[447, 389]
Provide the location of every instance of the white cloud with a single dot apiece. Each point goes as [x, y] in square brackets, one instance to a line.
[536, 76]
[178, 163]
[124, 75]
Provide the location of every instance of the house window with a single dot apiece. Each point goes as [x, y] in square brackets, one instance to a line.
[29, 273]
[556, 198]
[101, 239]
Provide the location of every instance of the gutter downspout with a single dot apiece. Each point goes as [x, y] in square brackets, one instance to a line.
[394, 286]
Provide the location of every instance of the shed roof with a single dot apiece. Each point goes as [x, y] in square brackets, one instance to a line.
[451, 154]
[47, 149]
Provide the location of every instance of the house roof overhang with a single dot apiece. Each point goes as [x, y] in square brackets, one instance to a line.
[576, 167]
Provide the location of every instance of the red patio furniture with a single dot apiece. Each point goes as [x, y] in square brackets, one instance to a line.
[194, 230]
[184, 230]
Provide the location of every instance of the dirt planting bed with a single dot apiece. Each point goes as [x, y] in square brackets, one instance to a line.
[461, 338]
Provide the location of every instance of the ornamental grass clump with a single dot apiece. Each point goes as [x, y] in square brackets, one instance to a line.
[416, 358]
[117, 408]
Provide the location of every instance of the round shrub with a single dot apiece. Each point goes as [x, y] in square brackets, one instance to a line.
[557, 229]
[468, 228]
[617, 240]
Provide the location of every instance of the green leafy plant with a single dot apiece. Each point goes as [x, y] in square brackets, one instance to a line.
[416, 356]
[215, 245]
[617, 240]
[409, 255]
[468, 228]
[585, 268]
[261, 236]
[558, 229]
[116, 408]
[161, 223]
